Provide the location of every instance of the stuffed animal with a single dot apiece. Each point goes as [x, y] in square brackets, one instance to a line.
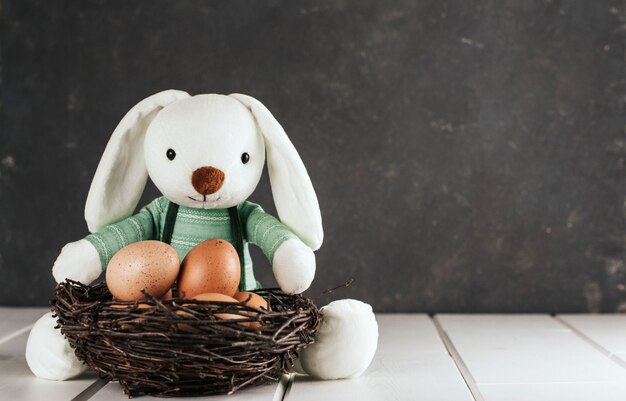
[205, 154]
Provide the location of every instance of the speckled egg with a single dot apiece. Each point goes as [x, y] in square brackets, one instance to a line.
[149, 265]
[211, 266]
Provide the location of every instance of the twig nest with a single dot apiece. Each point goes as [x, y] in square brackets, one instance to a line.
[142, 346]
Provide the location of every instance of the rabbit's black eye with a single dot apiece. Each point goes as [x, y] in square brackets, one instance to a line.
[245, 158]
[170, 154]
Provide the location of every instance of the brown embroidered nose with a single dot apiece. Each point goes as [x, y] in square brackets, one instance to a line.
[207, 180]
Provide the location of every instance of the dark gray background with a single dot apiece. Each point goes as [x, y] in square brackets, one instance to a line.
[468, 156]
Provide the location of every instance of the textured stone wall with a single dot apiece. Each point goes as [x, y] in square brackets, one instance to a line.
[468, 156]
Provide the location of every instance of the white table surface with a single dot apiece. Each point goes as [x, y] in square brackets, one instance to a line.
[448, 357]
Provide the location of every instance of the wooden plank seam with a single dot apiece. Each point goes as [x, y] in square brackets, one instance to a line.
[592, 342]
[90, 391]
[284, 387]
[16, 333]
[458, 360]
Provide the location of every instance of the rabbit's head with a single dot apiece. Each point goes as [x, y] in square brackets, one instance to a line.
[204, 151]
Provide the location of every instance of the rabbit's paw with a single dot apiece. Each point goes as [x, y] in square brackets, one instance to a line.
[345, 343]
[48, 354]
[294, 266]
[77, 261]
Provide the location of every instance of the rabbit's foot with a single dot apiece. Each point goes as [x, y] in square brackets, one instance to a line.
[48, 354]
[345, 343]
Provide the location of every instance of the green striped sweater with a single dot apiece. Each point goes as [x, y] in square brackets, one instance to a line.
[192, 227]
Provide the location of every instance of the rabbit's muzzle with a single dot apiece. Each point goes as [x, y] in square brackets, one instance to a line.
[207, 180]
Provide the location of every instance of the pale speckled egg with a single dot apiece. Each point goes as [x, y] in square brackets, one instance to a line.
[149, 265]
[254, 300]
[211, 266]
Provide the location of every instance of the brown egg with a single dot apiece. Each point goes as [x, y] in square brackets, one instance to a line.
[127, 325]
[149, 265]
[184, 326]
[211, 266]
[254, 300]
[211, 296]
[138, 306]
[168, 295]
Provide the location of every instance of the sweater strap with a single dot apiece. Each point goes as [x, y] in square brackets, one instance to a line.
[237, 234]
[170, 221]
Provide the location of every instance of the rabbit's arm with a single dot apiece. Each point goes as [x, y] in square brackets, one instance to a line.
[293, 262]
[84, 260]
[294, 266]
[140, 227]
[77, 261]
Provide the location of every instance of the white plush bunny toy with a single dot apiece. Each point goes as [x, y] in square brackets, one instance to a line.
[205, 154]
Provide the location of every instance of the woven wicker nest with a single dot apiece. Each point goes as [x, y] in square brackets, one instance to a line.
[179, 347]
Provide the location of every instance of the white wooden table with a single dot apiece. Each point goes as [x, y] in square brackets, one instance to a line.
[447, 357]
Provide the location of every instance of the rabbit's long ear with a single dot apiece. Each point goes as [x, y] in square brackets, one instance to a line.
[121, 175]
[293, 192]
